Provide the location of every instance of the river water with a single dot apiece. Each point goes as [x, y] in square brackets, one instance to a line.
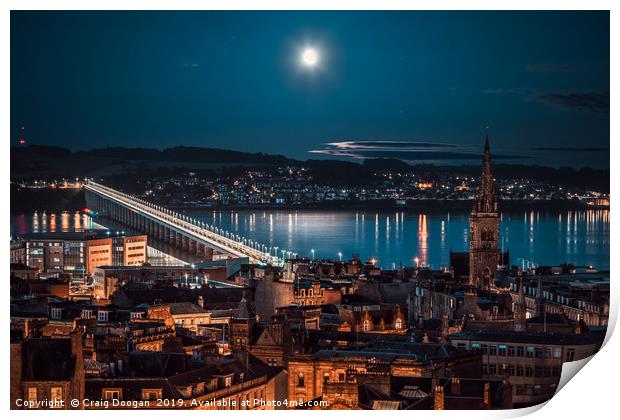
[543, 237]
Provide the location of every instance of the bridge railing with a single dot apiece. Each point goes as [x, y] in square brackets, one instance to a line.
[220, 236]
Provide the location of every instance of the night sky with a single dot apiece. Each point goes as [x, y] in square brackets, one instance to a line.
[417, 85]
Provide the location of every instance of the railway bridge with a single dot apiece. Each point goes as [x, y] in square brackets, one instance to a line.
[206, 241]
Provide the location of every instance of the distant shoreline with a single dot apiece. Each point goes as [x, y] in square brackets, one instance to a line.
[46, 199]
[429, 206]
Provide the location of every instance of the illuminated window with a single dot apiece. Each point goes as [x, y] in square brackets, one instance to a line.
[32, 393]
[56, 393]
[111, 394]
[151, 394]
[301, 380]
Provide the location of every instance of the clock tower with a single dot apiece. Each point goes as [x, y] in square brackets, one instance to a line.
[484, 254]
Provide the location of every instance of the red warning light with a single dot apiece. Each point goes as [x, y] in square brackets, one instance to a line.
[22, 141]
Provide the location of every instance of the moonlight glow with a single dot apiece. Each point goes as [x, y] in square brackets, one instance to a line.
[310, 57]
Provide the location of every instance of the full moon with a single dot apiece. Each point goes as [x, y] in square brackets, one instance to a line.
[310, 57]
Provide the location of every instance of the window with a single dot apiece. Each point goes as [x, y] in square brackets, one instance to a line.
[111, 394]
[501, 350]
[460, 346]
[102, 316]
[398, 324]
[538, 371]
[485, 349]
[56, 313]
[510, 370]
[492, 369]
[56, 393]
[301, 381]
[520, 351]
[520, 390]
[32, 393]
[539, 352]
[557, 352]
[511, 351]
[528, 371]
[325, 378]
[151, 394]
[570, 355]
[492, 350]
[519, 370]
[530, 351]
[366, 326]
[86, 313]
[485, 369]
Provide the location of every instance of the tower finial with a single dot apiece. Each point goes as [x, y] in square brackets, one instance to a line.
[486, 200]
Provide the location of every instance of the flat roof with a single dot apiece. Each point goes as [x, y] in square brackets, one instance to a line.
[528, 337]
[73, 236]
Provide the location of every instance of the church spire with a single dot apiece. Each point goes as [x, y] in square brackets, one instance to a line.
[485, 200]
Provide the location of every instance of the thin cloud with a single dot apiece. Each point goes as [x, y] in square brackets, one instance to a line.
[548, 68]
[410, 151]
[584, 101]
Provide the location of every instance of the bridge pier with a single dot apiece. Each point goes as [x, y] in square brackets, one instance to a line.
[205, 252]
[192, 247]
[178, 240]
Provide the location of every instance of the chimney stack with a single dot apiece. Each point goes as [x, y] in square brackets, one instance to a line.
[456, 387]
[487, 395]
[438, 400]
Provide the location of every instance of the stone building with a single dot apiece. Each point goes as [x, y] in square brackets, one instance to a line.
[484, 229]
[530, 362]
[47, 369]
[309, 376]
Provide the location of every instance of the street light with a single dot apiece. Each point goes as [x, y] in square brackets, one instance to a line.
[340, 256]
[312, 250]
[417, 262]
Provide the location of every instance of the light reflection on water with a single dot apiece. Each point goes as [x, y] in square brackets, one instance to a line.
[545, 237]
[580, 237]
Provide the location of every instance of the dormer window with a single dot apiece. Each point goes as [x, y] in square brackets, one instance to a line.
[102, 316]
[56, 313]
[87, 313]
[135, 315]
[366, 326]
